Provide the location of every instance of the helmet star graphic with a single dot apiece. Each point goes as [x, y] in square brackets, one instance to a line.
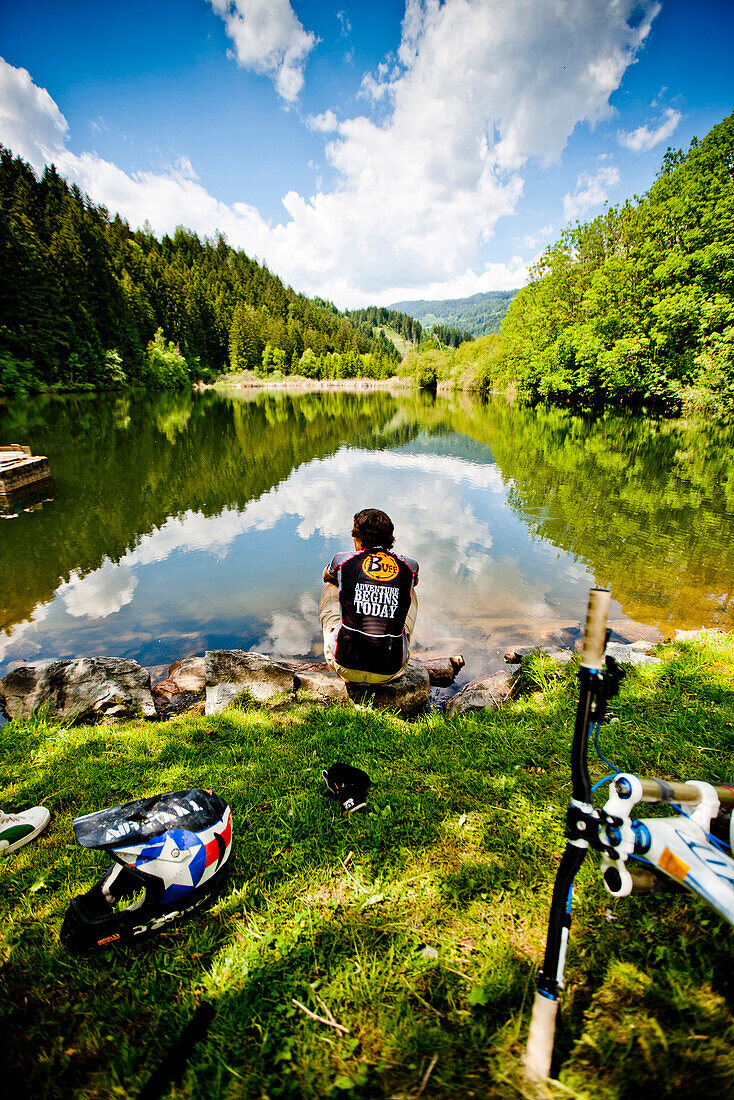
[178, 859]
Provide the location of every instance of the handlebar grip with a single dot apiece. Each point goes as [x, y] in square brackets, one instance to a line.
[539, 1051]
[595, 631]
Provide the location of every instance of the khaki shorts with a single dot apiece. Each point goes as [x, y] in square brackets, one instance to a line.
[330, 615]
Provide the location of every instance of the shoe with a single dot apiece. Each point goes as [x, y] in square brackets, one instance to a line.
[17, 829]
[349, 785]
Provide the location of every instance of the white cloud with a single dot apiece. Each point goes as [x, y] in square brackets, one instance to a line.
[30, 122]
[268, 38]
[533, 240]
[10, 637]
[495, 276]
[291, 631]
[591, 190]
[99, 594]
[643, 138]
[344, 23]
[325, 123]
[482, 580]
[477, 90]
[305, 493]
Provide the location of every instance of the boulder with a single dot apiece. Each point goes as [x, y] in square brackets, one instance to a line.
[442, 671]
[409, 694]
[634, 654]
[84, 689]
[318, 679]
[489, 692]
[624, 653]
[229, 672]
[183, 677]
[556, 653]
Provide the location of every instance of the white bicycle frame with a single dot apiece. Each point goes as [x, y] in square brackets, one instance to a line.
[678, 846]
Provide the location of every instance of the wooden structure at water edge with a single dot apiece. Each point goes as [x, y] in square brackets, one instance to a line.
[21, 472]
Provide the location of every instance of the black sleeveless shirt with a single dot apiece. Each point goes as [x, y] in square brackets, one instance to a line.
[375, 587]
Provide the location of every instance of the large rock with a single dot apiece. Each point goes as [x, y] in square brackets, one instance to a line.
[555, 653]
[229, 672]
[634, 654]
[489, 692]
[320, 680]
[84, 689]
[442, 671]
[409, 694]
[182, 689]
[184, 677]
[624, 653]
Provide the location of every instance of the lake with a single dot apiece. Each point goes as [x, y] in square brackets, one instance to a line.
[184, 522]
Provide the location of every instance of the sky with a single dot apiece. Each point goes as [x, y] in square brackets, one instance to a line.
[367, 152]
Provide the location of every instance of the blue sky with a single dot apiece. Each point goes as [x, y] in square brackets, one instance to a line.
[366, 152]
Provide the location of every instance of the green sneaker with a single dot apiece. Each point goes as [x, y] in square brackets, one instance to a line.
[17, 829]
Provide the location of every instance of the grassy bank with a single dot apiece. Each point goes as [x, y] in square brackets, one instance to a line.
[420, 924]
[250, 380]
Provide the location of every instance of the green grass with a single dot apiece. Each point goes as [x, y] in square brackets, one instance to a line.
[420, 924]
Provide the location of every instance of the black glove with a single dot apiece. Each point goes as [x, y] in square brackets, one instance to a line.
[349, 785]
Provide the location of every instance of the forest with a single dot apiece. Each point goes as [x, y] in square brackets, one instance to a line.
[408, 327]
[85, 302]
[636, 307]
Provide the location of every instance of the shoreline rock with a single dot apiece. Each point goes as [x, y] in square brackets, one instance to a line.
[486, 693]
[85, 689]
[442, 671]
[299, 383]
[230, 672]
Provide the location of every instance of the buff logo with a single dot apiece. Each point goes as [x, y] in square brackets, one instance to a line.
[370, 599]
[380, 566]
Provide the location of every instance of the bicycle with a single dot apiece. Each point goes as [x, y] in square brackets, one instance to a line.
[681, 849]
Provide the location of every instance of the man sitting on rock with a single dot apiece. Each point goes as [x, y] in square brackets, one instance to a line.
[369, 606]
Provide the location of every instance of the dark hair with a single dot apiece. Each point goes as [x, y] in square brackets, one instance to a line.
[373, 528]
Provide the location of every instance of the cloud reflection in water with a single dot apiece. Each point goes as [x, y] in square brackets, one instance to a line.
[483, 577]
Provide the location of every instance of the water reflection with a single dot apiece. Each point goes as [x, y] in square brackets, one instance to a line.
[185, 523]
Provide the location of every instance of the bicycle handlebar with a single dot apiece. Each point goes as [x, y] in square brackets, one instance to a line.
[660, 790]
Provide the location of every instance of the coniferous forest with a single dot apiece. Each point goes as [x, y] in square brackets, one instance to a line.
[637, 306]
[85, 301]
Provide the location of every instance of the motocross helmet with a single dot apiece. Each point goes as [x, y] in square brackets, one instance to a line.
[170, 853]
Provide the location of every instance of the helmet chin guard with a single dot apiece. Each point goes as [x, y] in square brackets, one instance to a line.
[170, 853]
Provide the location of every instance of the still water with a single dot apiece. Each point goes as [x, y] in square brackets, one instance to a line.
[182, 523]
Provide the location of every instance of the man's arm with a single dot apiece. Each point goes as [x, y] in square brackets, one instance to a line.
[331, 572]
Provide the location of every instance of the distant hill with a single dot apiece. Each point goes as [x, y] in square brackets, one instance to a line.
[480, 314]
